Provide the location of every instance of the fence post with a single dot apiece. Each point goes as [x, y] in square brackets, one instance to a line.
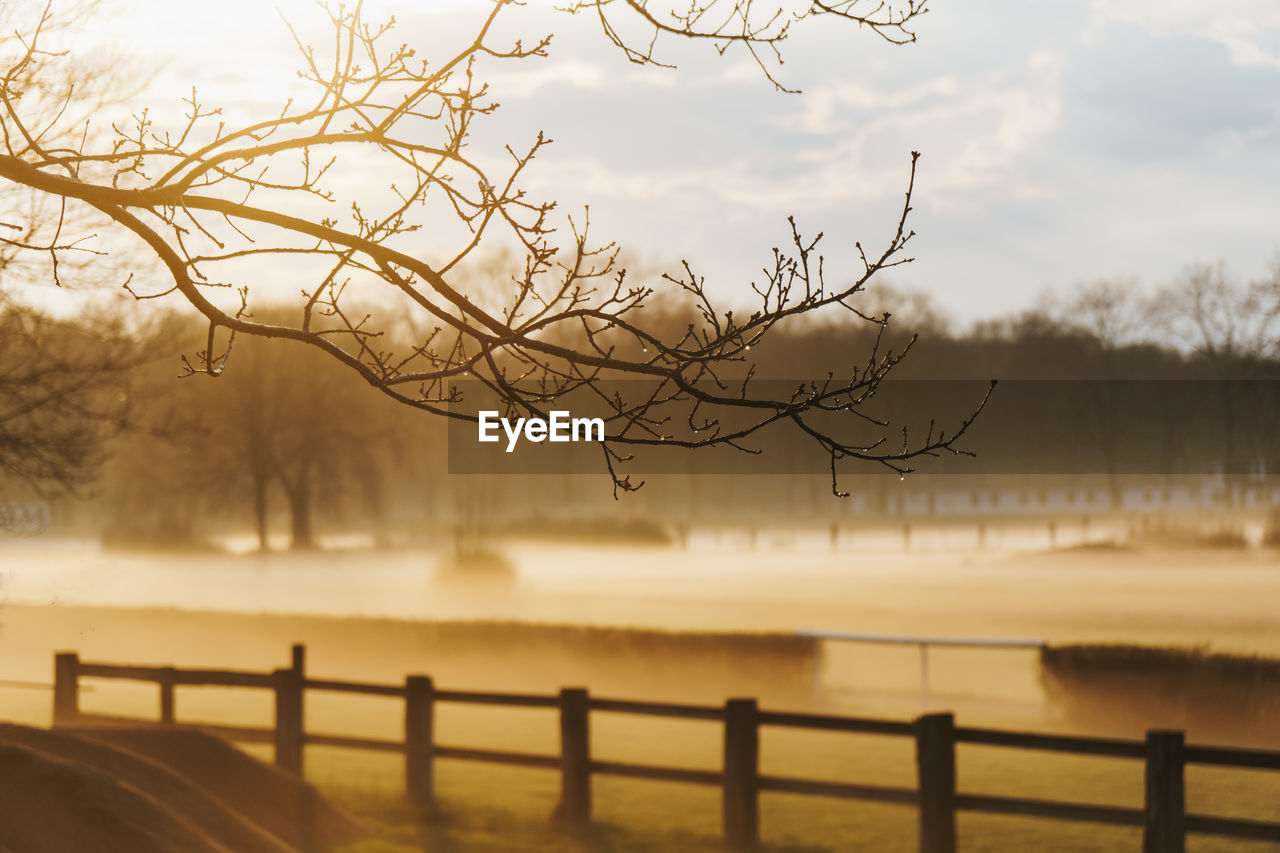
[936, 766]
[66, 688]
[289, 732]
[419, 742]
[298, 659]
[575, 756]
[167, 680]
[1164, 829]
[741, 773]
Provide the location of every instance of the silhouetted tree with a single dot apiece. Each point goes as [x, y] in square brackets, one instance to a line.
[64, 389]
[1232, 329]
[1113, 317]
[42, 237]
[286, 424]
[64, 381]
[216, 204]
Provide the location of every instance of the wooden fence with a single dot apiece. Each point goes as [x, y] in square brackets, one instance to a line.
[1163, 817]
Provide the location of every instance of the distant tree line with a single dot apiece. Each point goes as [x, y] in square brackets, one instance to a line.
[1108, 380]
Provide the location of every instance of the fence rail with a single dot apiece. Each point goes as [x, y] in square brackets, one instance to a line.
[921, 642]
[1163, 815]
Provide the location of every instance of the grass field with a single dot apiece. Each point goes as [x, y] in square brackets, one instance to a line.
[815, 823]
[637, 816]
[486, 807]
[1228, 601]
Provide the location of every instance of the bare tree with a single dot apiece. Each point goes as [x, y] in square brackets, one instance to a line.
[1232, 328]
[1224, 321]
[635, 26]
[64, 383]
[284, 428]
[37, 229]
[64, 388]
[1112, 316]
[1113, 312]
[220, 206]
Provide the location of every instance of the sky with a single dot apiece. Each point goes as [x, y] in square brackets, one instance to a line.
[1062, 141]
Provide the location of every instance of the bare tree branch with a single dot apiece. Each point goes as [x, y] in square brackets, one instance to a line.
[216, 205]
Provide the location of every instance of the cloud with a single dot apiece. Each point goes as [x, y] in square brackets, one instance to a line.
[532, 81]
[1243, 27]
[975, 128]
[1062, 139]
[1139, 99]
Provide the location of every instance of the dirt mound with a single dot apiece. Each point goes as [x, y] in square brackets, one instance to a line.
[286, 807]
[179, 794]
[50, 805]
